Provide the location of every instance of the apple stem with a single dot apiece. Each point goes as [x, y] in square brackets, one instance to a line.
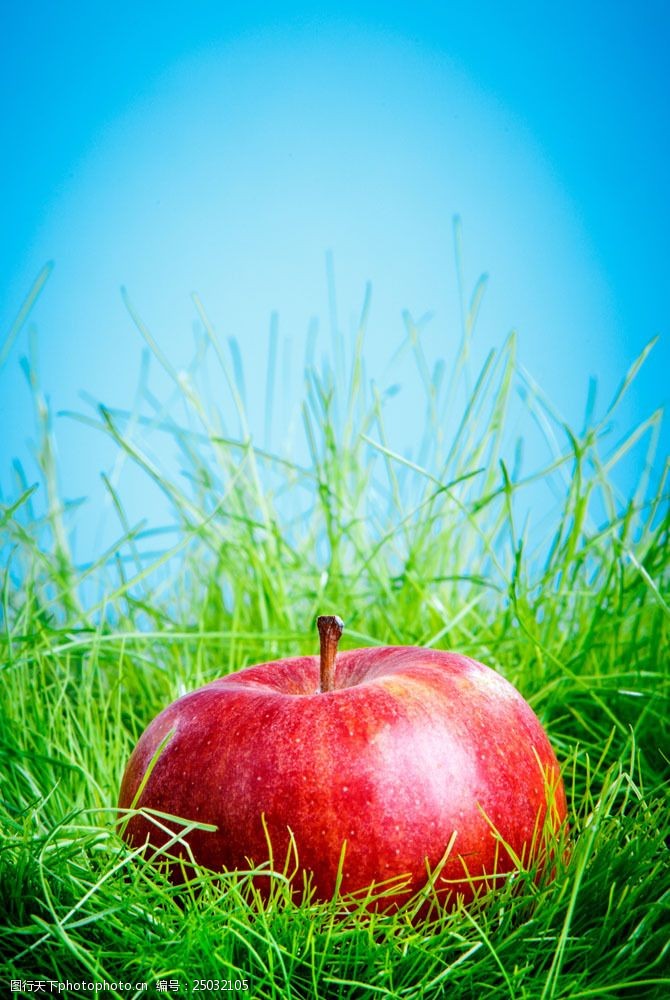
[330, 629]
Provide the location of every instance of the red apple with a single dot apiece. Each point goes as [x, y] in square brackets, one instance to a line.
[389, 757]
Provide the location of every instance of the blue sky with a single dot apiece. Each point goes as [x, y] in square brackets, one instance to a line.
[227, 148]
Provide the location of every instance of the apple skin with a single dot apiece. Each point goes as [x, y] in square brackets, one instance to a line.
[412, 747]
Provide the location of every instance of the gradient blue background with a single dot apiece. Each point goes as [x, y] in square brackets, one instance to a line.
[225, 148]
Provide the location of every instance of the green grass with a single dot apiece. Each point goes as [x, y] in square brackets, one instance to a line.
[551, 576]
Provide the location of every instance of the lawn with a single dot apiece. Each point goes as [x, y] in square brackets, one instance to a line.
[549, 574]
